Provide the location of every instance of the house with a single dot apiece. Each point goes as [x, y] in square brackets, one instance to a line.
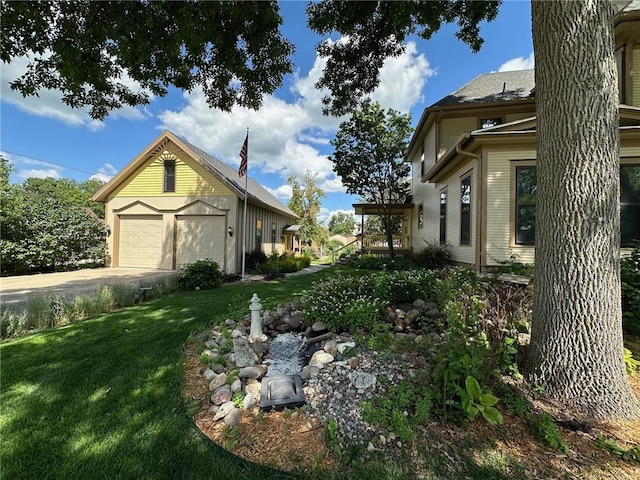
[473, 157]
[174, 204]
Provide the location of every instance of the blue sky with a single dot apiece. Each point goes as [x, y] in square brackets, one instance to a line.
[288, 135]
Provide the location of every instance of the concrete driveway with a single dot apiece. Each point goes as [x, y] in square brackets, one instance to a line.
[16, 289]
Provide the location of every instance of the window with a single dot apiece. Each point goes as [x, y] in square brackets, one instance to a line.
[273, 236]
[629, 205]
[490, 122]
[443, 217]
[169, 175]
[422, 163]
[525, 219]
[420, 215]
[525, 205]
[258, 234]
[465, 210]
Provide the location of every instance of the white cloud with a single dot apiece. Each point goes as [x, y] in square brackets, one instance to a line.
[518, 63]
[289, 138]
[49, 102]
[104, 173]
[283, 192]
[38, 173]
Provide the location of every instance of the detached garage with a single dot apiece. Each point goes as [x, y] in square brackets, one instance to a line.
[140, 241]
[175, 204]
[200, 236]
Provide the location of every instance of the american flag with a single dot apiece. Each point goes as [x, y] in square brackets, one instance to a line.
[242, 171]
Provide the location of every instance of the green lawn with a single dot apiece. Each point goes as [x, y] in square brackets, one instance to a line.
[102, 398]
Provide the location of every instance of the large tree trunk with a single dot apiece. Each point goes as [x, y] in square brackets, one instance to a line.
[576, 335]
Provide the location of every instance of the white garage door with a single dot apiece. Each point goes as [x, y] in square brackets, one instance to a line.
[198, 237]
[140, 241]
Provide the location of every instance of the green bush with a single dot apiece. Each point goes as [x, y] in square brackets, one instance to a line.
[282, 263]
[630, 278]
[374, 262]
[203, 274]
[254, 259]
[433, 256]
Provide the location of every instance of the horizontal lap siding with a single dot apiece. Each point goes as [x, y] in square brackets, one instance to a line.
[192, 179]
[452, 128]
[499, 209]
[428, 195]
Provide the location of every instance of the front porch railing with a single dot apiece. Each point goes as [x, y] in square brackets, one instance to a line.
[379, 242]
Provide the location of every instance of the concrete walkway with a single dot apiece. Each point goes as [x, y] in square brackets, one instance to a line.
[16, 289]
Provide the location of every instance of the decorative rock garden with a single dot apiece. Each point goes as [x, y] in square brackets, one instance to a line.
[323, 375]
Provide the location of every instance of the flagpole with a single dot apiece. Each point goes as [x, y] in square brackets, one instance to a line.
[244, 221]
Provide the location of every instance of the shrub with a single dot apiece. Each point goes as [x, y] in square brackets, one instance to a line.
[433, 256]
[285, 263]
[630, 278]
[374, 262]
[203, 274]
[254, 259]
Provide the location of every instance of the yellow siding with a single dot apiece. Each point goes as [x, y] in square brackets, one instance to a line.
[430, 149]
[499, 211]
[635, 79]
[191, 179]
[452, 128]
[460, 253]
[517, 116]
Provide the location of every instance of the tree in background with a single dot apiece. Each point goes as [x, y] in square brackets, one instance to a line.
[67, 191]
[368, 156]
[306, 201]
[342, 223]
[46, 225]
[91, 51]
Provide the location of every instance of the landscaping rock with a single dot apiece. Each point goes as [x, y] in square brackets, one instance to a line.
[320, 359]
[252, 372]
[224, 410]
[249, 401]
[218, 381]
[362, 380]
[208, 374]
[232, 418]
[244, 354]
[222, 395]
[318, 327]
[236, 386]
[331, 347]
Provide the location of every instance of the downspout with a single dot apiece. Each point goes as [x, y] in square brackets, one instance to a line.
[479, 194]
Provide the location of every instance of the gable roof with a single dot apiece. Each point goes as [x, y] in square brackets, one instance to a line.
[257, 194]
[493, 87]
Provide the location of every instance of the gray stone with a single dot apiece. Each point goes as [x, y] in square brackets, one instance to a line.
[208, 374]
[314, 371]
[320, 359]
[232, 418]
[249, 401]
[236, 333]
[218, 368]
[420, 305]
[362, 380]
[230, 323]
[318, 327]
[236, 386]
[293, 321]
[224, 410]
[331, 347]
[252, 372]
[218, 381]
[260, 347]
[343, 346]
[210, 344]
[267, 319]
[222, 395]
[244, 354]
[412, 316]
[253, 389]
[304, 373]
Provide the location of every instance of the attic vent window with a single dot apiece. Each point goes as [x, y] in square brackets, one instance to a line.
[490, 122]
[169, 175]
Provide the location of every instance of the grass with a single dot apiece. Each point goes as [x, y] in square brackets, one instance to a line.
[102, 398]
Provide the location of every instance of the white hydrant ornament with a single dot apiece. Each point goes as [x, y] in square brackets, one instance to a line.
[256, 335]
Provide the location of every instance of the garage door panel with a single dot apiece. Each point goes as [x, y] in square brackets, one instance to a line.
[200, 236]
[140, 242]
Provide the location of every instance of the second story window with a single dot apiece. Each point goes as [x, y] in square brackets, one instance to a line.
[169, 175]
[465, 210]
[422, 163]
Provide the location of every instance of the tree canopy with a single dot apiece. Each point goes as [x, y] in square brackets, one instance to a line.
[341, 223]
[375, 31]
[368, 156]
[306, 201]
[106, 55]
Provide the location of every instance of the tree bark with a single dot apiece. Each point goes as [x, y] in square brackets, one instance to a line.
[576, 334]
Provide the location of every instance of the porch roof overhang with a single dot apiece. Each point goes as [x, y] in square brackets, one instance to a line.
[292, 229]
[377, 209]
